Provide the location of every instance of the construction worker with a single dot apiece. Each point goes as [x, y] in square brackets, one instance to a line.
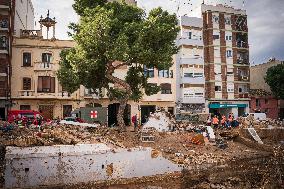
[215, 122]
[223, 121]
[230, 120]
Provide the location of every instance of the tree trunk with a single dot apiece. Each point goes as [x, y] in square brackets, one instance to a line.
[120, 115]
[127, 89]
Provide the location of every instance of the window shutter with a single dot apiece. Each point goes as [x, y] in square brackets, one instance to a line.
[39, 84]
[52, 84]
[27, 83]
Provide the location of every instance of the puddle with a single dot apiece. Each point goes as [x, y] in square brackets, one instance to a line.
[67, 165]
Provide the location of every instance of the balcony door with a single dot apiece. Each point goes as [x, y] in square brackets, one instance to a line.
[46, 59]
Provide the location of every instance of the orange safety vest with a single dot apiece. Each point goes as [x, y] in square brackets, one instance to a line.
[215, 120]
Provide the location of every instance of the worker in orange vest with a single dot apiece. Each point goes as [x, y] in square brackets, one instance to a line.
[223, 121]
[215, 122]
[230, 120]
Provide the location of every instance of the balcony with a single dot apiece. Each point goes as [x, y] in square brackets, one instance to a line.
[243, 95]
[64, 94]
[191, 42]
[193, 80]
[193, 100]
[4, 4]
[90, 94]
[27, 93]
[194, 60]
[243, 61]
[243, 78]
[31, 34]
[4, 47]
[45, 66]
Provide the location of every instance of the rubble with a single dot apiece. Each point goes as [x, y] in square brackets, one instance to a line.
[187, 144]
[161, 121]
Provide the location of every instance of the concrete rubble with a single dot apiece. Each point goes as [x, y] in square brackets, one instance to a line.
[190, 146]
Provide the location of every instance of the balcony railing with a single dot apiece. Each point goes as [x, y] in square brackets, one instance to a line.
[243, 78]
[242, 44]
[26, 93]
[31, 34]
[44, 66]
[243, 61]
[243, 95]
[5, 3]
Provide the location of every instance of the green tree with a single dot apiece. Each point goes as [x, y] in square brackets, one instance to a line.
[275, 79]
[110, 36]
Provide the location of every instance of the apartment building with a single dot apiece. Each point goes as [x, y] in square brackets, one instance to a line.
[164, 100]
[262, 100]
[10, 15]
[226, 59]
[190, 66]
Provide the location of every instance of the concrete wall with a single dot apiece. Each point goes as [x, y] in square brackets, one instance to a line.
[258, 72]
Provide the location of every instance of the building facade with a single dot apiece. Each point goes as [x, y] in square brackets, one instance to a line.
[35, 85]
[14, 16]
[262, 100]
[190, 66]
[226, 59]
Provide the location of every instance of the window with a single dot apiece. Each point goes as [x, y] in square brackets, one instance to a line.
[163, 73]
[189, 35]
[230, 73]
[257, 102]
[230, 87]
[166, 88]
[216, 37]
[188, 75]
[3, 43]
[4, 23]
[228, 21]
[46, 84]
[215, 18]
[149, 72]
[25, 107]
[198, 74]
[228, 38]
[229, 53]
[27, 59]
[27, 83]
[198, 94]
[218, 88]
[46, 57]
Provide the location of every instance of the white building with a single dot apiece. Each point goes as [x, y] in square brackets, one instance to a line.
[190, 66]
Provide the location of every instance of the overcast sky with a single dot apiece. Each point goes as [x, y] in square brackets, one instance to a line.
[265, 20]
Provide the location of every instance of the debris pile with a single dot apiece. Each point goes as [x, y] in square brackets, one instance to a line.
[161, 121]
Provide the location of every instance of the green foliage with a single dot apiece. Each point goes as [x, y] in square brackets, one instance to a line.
[275, 79]
[117, 32]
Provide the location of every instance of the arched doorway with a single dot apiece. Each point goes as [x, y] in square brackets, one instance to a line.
[112, 114]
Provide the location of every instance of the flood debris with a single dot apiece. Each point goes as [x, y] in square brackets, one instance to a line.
[188, 145]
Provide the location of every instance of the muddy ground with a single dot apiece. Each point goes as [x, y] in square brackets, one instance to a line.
[242, 164]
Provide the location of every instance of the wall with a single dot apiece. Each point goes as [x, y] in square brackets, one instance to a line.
[24, 16]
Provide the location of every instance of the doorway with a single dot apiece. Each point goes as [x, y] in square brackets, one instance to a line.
[2, 113]
[46, 111]
[145, 112]
[112, 114]
[67, 109]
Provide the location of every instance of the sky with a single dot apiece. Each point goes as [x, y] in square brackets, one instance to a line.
[265, 20]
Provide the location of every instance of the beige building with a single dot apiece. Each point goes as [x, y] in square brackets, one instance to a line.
[34, 82]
